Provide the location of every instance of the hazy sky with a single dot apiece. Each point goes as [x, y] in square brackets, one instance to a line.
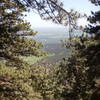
[83, 6]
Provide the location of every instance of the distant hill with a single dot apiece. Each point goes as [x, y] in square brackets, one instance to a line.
[51, 37]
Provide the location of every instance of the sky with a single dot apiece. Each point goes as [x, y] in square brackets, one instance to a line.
[82, 6]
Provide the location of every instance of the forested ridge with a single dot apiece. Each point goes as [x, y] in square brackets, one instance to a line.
[75, 77]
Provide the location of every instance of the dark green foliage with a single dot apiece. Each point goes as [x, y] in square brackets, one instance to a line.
[13, 31]
[96, 2]
[94, 28]
[15, 74]
[80, 73]
[94, 19]
[76, 78]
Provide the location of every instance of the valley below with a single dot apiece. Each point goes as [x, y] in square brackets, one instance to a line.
[51, 39]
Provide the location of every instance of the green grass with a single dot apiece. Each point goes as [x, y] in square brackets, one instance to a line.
[33, 59]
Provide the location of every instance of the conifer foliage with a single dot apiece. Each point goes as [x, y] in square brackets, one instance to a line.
[15, 75]
[80, 73]
[94, 27]
[76, 78]
[13, 31]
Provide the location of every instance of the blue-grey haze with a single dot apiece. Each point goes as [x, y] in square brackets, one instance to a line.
[51, 39]
[52, 35]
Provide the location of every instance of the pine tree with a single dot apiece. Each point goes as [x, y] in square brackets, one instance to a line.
[16, 80]
[94, 27]
[14, 31]
[80, 73]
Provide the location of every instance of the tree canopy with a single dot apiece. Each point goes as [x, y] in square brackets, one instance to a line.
[14, 31]
[53, 10]
[94, 27]
[77, 77]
